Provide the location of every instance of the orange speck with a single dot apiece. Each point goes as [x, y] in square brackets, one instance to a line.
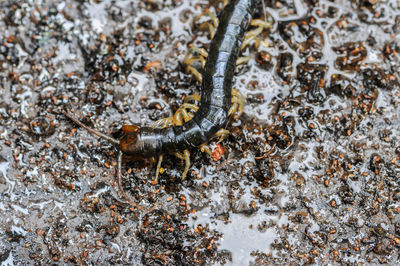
[152, 64]
[11, 39]
[217, 152]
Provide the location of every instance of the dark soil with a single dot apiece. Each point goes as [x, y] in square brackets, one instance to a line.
[309, 174]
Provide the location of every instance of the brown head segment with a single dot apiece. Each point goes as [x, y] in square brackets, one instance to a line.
[126, 129]
[130, 142]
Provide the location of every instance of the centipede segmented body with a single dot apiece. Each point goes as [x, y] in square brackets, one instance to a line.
[212, 115]
[215, 94]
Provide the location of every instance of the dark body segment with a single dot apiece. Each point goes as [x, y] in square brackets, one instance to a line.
[216, 89]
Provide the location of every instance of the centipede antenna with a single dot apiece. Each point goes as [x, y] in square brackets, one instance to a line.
[119, 183]
[91, 130]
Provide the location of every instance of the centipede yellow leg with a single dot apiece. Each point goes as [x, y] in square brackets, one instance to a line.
[158, 169]
[238, 103]
[196, 54]
[164, 122]
[195, 73]
[242, 60]
[191, 58]
[214, 19]
[186, 157]
[193, 97]
[210, 26]
[204, 148]
[222, 134]
[201, 51]
[181, 115]
[253, 34]
[261, 23]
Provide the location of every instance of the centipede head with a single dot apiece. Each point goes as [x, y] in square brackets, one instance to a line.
[130, 142]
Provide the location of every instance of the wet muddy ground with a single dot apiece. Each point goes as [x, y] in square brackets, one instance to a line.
[309, 174]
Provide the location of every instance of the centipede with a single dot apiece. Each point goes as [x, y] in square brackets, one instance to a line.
[215, 102]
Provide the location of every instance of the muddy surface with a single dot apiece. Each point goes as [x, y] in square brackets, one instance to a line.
[309, 174]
